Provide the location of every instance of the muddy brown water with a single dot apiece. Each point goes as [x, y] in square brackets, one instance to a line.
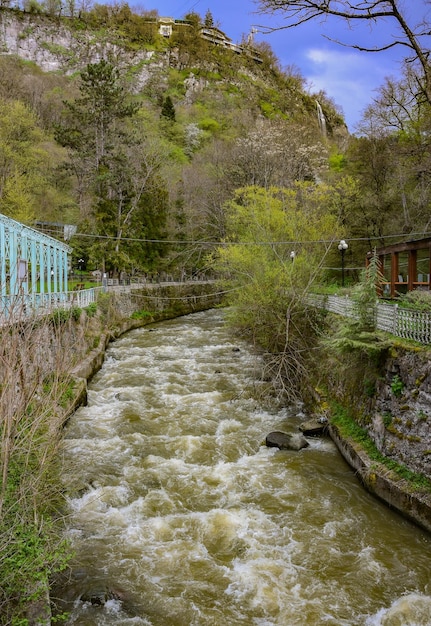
[179, 516]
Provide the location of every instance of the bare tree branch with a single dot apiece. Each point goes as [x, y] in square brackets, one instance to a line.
[298, 12]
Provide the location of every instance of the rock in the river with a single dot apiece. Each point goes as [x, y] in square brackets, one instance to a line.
[315, 426]
[97, 597]
[286, 441]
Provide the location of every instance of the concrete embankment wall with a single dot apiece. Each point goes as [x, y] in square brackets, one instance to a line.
[391, 400]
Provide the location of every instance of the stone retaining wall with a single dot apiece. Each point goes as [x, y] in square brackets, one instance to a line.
[379, 481]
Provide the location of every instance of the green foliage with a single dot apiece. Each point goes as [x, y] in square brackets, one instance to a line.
[357, 334]
[370, 387]
[387, 419]
[31, 544]
[27, 177]
[364, 296]
[168, 109]
[209, 20]
[60, 316]
[210, 125]
[337, 162]
[32, 556]
[269, 296]
[141, 315]
[397, 386]
[75, 313]
[268, 109]
[91, 309]
[418, 300]
[67, 395]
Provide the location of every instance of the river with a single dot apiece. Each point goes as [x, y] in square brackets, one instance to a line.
[179, 516]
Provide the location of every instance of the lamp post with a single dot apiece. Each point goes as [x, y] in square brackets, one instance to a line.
[342, 246]
[80, 266]
[292, 255]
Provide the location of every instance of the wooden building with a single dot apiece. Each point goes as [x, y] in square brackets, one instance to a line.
[405, 266]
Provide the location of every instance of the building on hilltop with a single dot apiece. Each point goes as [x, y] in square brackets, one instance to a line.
[166, 26]
[212, 34]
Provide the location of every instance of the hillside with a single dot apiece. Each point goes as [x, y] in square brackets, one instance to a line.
[203, 120]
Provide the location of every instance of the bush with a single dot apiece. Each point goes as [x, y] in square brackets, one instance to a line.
[91, 309]
[417, 299]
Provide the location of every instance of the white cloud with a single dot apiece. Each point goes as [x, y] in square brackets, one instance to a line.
[350, 78]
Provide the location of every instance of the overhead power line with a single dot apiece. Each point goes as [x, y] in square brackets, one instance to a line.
[190, 242]
[203, 242]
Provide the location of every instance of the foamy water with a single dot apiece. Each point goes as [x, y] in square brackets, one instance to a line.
[181, 517]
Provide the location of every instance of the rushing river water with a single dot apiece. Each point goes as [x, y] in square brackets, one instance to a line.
[179, 515]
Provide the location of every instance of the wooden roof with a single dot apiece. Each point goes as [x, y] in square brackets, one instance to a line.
[403, 246]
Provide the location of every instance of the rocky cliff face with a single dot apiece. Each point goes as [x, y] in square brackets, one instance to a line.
[56, 48]
[401, 417]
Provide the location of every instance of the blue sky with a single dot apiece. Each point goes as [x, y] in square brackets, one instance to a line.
[347, 76]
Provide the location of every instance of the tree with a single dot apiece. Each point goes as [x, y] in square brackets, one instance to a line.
[276, 153]
[117, 160]
[391, 161]
[396, 107]
[276, 244]
[91, 119]
[91, 126]
[412, 37]
[131, 204]
[192, 49]
[168, 109]
[209, 20]
[28, 162]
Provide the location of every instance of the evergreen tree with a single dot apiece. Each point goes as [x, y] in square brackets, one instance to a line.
[168, 109]
[91, 120]
[209, 20]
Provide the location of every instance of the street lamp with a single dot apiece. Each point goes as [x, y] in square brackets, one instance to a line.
[80, 266]
[292, 255]
[342, 246]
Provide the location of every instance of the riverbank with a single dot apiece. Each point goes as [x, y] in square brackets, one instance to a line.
[45, 365]
[405, 403]
[397, 493]
[379, 410]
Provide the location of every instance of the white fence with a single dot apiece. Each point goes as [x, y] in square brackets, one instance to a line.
[24, 306]
[405, 323]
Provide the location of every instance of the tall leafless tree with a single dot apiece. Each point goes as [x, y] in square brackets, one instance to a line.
[414, 37]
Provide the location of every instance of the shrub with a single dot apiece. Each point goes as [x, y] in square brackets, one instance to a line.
[91, 309]
[417, 299]
[397, 386]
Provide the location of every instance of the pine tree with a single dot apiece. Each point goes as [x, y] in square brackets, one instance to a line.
[168, 109]
[209, 20]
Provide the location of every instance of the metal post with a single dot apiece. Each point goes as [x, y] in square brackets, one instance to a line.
[342, 246]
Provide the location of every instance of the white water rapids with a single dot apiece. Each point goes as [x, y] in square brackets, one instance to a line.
[179, 516]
